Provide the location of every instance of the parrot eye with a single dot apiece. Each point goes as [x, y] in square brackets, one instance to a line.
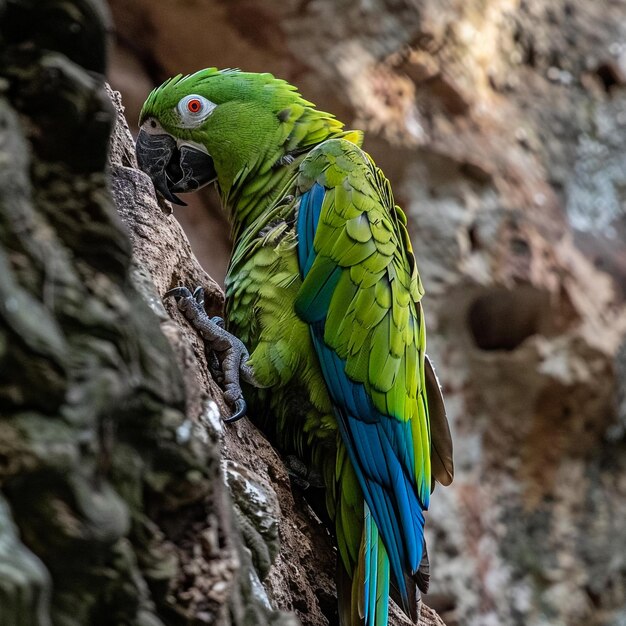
[194, 109]
[194, 105]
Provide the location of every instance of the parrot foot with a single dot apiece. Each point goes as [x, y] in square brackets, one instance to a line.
[227, 356]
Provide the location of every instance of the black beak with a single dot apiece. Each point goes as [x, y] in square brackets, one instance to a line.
[171, 169]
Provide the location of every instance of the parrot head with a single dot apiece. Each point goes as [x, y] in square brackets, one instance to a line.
[223, 126]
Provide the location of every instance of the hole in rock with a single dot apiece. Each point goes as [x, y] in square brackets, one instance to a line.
[609, 75]
[501, 318]
[472, 233]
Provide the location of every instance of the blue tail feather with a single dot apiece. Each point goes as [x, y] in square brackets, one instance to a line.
[376, 583]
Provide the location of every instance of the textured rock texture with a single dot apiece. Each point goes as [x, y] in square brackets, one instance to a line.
[113, 507]
[501, 124]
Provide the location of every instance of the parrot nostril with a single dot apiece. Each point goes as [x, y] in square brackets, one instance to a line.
[153, 124]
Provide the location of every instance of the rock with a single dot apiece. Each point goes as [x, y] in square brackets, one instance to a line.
[113, 502]
[24, 581]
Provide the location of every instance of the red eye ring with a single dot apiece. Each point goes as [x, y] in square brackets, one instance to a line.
[194, 105]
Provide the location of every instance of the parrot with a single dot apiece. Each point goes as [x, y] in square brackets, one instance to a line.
[323, 339]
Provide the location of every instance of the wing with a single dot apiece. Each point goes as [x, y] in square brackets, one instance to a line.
[361, 298]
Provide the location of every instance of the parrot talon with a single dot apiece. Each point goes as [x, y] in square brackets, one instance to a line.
[219, 321]
[302, 476]
[198, 295]
[177, 292]
[297, 472]
[240, 411]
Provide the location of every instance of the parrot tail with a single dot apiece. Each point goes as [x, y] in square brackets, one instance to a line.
[374, 602]
[364, 599]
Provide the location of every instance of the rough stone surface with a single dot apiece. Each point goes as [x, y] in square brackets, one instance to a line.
[501, 124]
[113, 506]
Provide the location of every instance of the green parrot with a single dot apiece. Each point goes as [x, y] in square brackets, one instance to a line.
[323, 289]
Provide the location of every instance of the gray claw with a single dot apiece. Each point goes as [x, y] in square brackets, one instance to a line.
[227, 358]
[198, 295]
[240, 411]
[178, 292]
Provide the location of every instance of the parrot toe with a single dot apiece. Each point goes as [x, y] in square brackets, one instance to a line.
[227, 356]
[218, 320]
[301, 475]
[178, 292]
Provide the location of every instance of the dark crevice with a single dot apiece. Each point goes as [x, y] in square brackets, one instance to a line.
[609, 75]
[501, 319]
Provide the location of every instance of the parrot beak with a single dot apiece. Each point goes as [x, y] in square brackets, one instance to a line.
[173, 168]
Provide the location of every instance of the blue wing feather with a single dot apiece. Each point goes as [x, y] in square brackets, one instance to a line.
[308, 217]
[379, 446]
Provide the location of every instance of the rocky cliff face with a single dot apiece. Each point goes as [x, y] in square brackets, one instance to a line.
[113, 507]
[501, 124]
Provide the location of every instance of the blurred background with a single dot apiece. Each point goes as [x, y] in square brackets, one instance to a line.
[502, 127]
